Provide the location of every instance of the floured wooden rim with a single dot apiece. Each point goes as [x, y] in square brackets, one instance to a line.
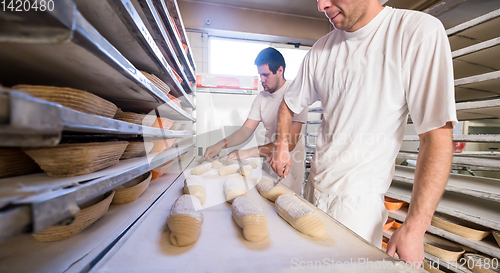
[139, 119]
[496, 234]
[77, 159]
[76, 99]
[133, 189]
[157, 82]
[442, 248]
[460, 227]
[137, 149]
[478, 263]
[84, 218]
[13, 161]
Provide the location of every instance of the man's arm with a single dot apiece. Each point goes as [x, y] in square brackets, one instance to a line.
[431, 175]
[236, 138]
[266, 150]
[281, 156]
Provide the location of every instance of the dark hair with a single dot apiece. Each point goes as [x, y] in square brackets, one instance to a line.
[271, 57]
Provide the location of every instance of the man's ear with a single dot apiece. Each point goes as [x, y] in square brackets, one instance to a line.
[280, 70]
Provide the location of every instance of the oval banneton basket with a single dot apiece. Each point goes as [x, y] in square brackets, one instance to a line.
[392, 204]
[139, 119]
[137, 149]
[441, 248]
[77, 159]
[157, 172]
[79, 100]
[460, 227]
[90, 212]
[496, 234]
[130, 191]
[482, 264]
[389, 223]
[13, 162]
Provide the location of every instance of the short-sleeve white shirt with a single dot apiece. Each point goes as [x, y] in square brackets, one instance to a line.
[368, 82]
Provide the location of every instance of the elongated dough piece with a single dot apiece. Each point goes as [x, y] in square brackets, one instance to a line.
[234, 187]
[246, 170]
[215, 164]
[249, 216]
[185, 220]
[195, 185]
[227, 170]
[299, 215]
[266, 188]
[203, 168]
[250, 163]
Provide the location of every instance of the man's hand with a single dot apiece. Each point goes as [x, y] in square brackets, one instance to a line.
[408, 243]
[213, 150]
[235, 154]
[280, 160]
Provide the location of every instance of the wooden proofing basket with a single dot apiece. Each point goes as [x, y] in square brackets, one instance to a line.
[496, 234]
[137, 149]
[157, 172]
[482, 264]
[131, 190]
[13, 161]
[441, 248]
[157, 82]
[77, 159]
[79, 100]
[459, 227]
[139, 119]
[90, 212]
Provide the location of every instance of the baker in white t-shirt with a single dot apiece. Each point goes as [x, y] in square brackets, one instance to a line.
[377, 66]
[271, 66]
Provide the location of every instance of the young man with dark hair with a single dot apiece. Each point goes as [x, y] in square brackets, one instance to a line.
[378, 65]
[271, 66]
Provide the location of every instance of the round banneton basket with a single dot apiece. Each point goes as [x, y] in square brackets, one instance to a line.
[130, 191]
[397, 225]
[139, 119]
[163, 123]
[90, 212]
[77, 159]
[442, 248]
[157, 172]
[482, 264]
[392, 204]
[13, 161]
[389, 223]
[137, 149]
[496, 234]
[460, 227]
[79, 100]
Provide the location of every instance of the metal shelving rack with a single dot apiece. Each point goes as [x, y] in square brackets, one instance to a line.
[100, 47]
[476, 52]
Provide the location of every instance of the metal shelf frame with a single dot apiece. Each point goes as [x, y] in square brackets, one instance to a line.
[472, 23]
[34, 122]
[165, 16]
[484, 164]
[37, 212]
[128, 33]
[480, 187]
[472, 209]
[160, 35]
[489, 248]
[79, 57]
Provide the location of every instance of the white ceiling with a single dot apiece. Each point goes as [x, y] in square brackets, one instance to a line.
[297, 7]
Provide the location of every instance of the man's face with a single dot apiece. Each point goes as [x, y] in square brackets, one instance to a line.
[270, 82]
[343, 14]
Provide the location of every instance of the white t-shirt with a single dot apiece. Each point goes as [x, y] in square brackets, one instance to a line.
[265, 109]
[368, 81]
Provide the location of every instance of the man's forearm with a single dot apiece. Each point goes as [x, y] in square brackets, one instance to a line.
[266, 150]
[241, 135]
[283, 125]
[431, 175]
